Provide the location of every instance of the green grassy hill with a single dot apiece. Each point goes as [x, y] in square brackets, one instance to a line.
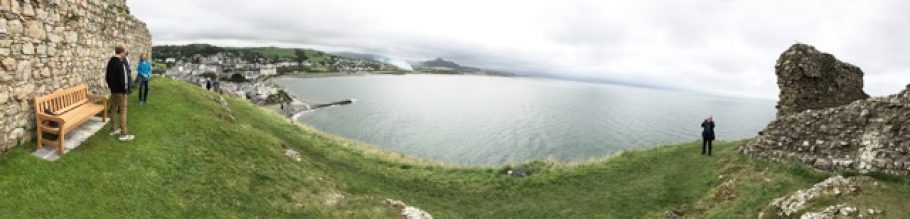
[194, 157]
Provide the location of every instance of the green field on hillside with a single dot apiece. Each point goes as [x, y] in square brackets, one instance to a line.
[276, 52]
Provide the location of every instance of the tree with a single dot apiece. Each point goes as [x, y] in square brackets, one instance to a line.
[237, 77]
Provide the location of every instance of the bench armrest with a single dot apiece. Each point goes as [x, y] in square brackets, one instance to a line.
[101, 98]
[45, 117]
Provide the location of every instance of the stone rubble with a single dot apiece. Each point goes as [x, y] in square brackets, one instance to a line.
[409, 212]
[290, 152]
[48, 45]
[830, 212]
[841, 211]
[849, 132]
[835, 186]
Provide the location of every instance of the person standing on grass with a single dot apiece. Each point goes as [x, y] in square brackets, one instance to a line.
[145, 74]
[217, 85]
[707, 135]
[117, 78]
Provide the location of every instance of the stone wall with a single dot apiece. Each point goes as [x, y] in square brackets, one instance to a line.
[809, 79]
[868, 135]
[47, 45]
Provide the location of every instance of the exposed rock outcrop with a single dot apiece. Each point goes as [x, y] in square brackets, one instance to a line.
[866, 135]
[788, 206]
[51, 45]
[810, 79]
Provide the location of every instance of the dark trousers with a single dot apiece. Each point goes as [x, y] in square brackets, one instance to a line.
[143, 91]
[706, 145]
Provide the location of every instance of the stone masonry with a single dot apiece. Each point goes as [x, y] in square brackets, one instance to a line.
[809, 79]
[865, 135]
[47, 45]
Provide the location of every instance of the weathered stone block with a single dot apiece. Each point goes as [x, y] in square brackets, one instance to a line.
[41, 49]
[14, 27]
[4, 97]
[45, 72]
[35, 30]
[9, 64]
[71, 37]
[27, 9]
[28, 49]
[24, 70]
[54, 38]
[16, 133]
[5, 76]
[14, 6]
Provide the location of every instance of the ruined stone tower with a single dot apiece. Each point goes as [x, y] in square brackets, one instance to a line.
[825, 119]
[809, 79]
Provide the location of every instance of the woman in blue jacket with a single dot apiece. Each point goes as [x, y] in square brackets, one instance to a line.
[145, 73]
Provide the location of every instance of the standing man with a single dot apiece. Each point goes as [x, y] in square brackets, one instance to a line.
[117, 79]
[707, 135]
[145, 74]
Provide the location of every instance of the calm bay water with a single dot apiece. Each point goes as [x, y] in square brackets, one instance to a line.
[477, 120]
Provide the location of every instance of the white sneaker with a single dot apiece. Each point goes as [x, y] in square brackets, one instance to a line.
[126, 137]
[115, 132]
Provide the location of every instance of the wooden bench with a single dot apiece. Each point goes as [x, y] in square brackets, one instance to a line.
[62, 111]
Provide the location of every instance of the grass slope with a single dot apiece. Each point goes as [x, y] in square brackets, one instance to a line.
[195, 158]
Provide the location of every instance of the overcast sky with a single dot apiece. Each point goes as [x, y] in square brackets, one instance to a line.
[725, 47]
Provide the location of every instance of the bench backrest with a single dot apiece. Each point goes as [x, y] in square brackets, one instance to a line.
[63, 100]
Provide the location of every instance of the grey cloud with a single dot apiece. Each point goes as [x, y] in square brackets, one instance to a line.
[726, 47]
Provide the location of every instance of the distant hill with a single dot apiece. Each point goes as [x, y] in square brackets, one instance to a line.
[316, 61]
[439, 62]
[442, 66]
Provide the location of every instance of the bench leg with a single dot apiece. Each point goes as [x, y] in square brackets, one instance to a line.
[60, 142]
[40, 144]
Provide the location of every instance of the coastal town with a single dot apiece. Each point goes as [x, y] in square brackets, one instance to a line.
[245, 72]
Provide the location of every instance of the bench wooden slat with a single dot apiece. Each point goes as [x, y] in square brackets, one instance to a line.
[78, 116]
[71, 106]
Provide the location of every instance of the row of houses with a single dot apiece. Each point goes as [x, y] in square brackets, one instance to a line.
[254, 91]
[220, 71]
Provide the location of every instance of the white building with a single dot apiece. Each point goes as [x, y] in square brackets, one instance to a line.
[268, 71]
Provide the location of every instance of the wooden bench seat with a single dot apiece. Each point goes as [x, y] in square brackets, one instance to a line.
[63, 111]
